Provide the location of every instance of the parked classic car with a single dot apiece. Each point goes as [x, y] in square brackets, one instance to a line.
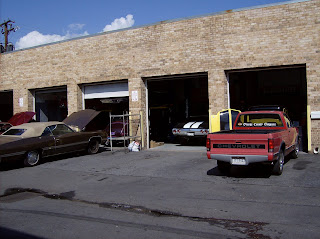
[198, 127]
[32, 141]
[194, 128]
[17, 119]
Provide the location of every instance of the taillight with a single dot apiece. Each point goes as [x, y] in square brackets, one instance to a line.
[271, 145]
[208, 144]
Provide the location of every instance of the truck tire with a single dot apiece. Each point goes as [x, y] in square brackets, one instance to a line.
[278, 166]
[223, 167]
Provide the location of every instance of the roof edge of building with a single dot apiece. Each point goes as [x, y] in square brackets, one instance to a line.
[165, 22]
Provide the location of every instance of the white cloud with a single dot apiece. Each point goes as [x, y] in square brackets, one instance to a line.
[76, 26]
[120, 23]
[36, 38]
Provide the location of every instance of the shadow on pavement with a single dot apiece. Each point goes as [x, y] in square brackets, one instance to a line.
[251, 171]
[7, 233]
[6, 166]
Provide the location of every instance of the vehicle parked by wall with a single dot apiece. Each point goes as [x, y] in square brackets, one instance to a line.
[196, 128]
[30, 142]
[223, 120]
[265, 136]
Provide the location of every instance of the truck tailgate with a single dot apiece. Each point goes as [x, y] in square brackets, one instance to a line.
[235, 144]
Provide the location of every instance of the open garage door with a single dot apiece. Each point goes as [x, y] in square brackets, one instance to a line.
[285, 86]
[6, 105]
[51, 104]
[173, 99]
[110, 97]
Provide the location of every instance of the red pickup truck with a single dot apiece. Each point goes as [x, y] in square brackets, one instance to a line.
[257, 137]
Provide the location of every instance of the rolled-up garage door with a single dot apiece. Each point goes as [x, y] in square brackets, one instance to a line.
[106, 90]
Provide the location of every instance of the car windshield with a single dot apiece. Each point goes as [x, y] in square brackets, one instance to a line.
[259, 120]
[15, 132]
[60, 129]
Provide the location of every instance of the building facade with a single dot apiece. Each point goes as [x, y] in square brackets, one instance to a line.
[262, 55]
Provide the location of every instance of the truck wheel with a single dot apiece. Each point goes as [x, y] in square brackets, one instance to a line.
[224, 167]
[278, 166]
[93, 146]
[32, 158]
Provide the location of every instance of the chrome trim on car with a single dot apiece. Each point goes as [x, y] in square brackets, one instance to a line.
[13, 154]
[68, 145]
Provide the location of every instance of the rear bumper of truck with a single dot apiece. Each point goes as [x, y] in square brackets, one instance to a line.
[240, 159]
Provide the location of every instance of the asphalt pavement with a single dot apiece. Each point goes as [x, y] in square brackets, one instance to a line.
[166, 192]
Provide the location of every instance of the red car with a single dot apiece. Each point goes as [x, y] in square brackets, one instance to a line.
[118, 129]
[17, 119]
[257, 137]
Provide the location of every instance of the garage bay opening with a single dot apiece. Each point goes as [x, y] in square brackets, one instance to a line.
[51, 104]
[6, 103]
[285, 86]
[176, 100]
[111, 97]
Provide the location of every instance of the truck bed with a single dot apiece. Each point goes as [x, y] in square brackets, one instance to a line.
[247, 131]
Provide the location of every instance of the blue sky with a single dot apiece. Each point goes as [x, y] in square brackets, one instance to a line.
[44, 21]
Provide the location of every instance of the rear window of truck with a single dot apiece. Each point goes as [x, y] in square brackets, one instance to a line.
[259, 120]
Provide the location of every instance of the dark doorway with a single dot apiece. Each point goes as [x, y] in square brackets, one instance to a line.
[285, 86]
[6, 104]
[51, 104]
[173, 99]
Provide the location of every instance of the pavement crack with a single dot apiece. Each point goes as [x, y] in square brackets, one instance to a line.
[248, 228]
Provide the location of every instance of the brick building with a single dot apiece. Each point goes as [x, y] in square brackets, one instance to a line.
[177, 69]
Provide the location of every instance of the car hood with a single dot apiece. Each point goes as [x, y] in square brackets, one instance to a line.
[21, 118]
[87, 120]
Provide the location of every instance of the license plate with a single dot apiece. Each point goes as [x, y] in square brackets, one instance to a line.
[239, 161]
[190, 134]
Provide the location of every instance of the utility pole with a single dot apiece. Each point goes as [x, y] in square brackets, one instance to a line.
[6, 29]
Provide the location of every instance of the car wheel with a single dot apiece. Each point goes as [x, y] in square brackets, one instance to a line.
[32, 158]
[93, 146]
[223, 167]
[278, 166]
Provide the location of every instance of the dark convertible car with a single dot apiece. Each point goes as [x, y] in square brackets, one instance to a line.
[32, 141]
